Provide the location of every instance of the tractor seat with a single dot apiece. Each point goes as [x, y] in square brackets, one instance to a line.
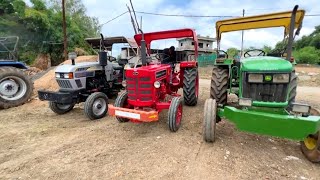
[116, 66]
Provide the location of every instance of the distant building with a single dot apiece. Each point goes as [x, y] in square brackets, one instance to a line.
[205, 45]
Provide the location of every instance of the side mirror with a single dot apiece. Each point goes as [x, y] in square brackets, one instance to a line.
[72, 56]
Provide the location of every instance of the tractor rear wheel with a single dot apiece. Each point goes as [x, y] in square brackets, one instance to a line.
[60, 108]
[292, 89]
[210, 120]
[175, 114]
[310, 147]
[96, 106]
[190, 86]
[219, 85]
[15, 87]
[121, 101]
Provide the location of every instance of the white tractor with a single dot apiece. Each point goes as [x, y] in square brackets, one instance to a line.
[89, 82]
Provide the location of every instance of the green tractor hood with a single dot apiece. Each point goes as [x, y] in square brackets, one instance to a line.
[265, 63]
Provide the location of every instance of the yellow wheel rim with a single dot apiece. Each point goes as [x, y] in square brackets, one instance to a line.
[310, 143]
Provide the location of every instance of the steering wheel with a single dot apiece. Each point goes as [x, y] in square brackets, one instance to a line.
[160, 55]
[222, 52]
[250, 54]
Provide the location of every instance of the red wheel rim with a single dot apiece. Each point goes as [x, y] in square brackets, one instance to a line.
[197, 85]
[179, 115]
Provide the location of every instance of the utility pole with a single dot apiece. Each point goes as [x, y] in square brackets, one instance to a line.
[64, 27]
[242, 35]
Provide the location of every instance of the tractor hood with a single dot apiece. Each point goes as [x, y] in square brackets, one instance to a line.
[265, 63]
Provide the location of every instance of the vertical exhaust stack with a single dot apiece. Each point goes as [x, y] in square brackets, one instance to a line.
[291, 37]
[72, 56]
[103, 61]
[143, 49]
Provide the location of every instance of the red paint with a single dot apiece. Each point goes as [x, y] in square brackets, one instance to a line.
[179, 33]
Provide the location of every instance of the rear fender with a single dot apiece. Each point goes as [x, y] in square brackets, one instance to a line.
[15, 64]
[188, 64]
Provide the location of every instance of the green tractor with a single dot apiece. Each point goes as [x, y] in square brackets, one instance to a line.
[265, 86]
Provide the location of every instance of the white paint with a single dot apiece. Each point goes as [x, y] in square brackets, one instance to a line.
[127, 114]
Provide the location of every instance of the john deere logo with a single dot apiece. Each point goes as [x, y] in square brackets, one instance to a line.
[268, 78]
[135, 73]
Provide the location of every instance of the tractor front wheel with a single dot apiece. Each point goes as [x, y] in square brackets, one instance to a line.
[190, 86]
[219, 85]
[310, 147]
[121, 101]
[96, 106]
[175, 114]
[210, 120]
[60, 108]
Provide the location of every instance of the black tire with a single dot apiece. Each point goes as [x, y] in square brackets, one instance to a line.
[96, 106]
[210, 120]
[60, 108]
[292, 89]
[6, 102]
[175, 114]
[190, 86]
[219, 85]
[121, 101]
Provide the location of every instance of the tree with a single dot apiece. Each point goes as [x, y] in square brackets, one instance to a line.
[307, 55]
[232, 52]
[39, 27]
[267, 49]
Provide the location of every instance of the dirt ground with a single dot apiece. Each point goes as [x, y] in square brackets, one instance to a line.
[35, 143]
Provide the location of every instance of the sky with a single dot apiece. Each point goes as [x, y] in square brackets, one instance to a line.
[105, 10]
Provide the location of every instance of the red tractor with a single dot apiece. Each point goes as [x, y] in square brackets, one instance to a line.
[153, 86]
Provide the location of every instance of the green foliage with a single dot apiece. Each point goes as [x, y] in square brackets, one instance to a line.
[39, 27]
[267, 49]
[232, 52]
[307, 54]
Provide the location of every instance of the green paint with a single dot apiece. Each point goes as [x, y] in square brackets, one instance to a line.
[265, 64]
[225, 62]
[271, 122]
[268, 78]
[269, 104]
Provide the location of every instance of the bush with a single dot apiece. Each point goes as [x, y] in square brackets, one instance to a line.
[308, 54]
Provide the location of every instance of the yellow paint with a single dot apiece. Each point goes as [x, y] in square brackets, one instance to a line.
[310, 143]
[281, 19]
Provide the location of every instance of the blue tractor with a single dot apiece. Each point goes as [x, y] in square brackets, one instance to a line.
[15, 86]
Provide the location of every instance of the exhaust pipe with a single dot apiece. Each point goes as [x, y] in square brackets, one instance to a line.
[291, 30]
[143, 49]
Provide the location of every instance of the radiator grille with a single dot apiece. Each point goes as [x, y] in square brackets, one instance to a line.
[64, 84]
[266, 92]
[139, 88]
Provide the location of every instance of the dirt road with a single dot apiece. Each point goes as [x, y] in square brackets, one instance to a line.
[35, 143]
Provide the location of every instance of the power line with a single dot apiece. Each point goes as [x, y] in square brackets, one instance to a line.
[185, 15]
[115, 18]
[312, 15]
[179, 15]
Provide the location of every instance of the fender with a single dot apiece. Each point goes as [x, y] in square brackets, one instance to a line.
[188, 64]
[15, 64]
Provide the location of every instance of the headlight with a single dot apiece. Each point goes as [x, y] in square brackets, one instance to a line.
[124, 83]
[281, 78]
[156, 84]
[255, 78]
[300, 108]
[65, 75]
[245, 102]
